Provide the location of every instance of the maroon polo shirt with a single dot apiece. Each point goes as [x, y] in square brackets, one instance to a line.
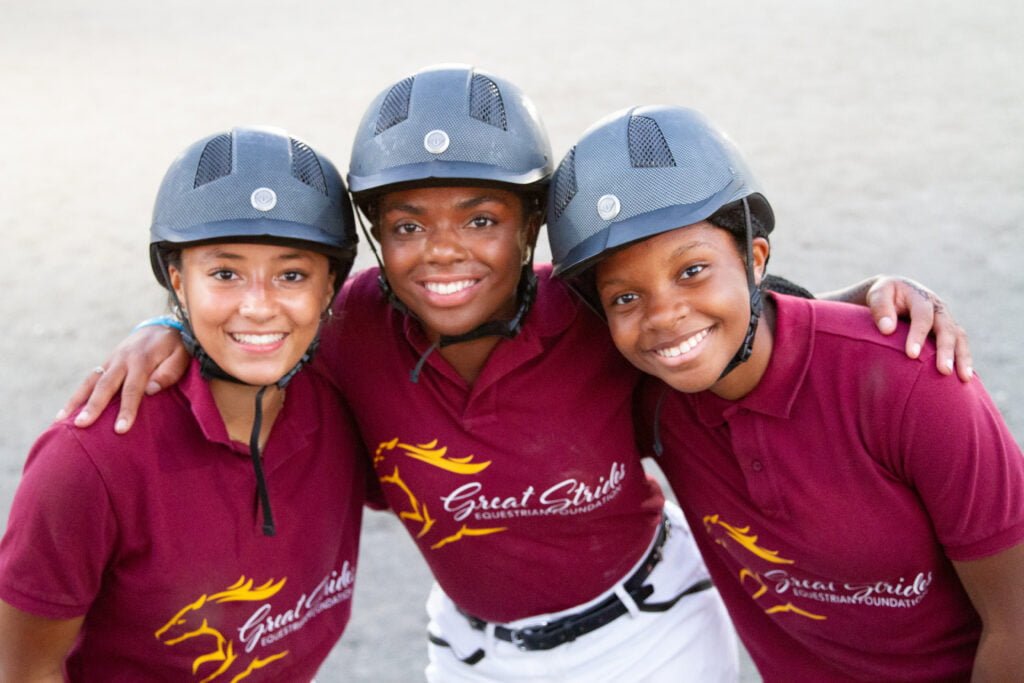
[525, 491]
[155, 537]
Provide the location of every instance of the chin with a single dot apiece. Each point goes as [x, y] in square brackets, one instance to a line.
[257, 376]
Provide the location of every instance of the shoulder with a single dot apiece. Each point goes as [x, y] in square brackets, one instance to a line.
[360, 289]
[832, 329]
[99, 448]
[559, 310]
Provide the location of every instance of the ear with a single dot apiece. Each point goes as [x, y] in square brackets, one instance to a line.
[177, 284]
[531, 228]
[761, 250]
[332, 277]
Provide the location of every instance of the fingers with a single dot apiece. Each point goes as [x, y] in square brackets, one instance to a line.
[928, 315]
[922, 317]
[964, 361]
[103, 391]
[144, 362]
[951, 348]
[169, 371]
[79, 396]
[881, 302]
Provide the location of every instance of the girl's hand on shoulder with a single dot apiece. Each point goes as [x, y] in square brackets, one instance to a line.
[149, 360]
[889, 297]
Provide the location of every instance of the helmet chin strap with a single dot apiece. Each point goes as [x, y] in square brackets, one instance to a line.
[756, 299]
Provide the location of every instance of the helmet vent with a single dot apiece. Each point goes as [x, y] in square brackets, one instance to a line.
[485, 102]
[647, 146]
[215, 161]
[565, 183]
[395, 108]
[306, 166]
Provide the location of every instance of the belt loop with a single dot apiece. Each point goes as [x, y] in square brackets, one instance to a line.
[490, 641]
[627, 600]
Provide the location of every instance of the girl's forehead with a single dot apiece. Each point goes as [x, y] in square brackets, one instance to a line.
[253, 251]
[671, 242]
[439, 197]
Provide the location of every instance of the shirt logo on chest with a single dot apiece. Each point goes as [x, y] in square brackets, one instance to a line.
[778, 580]
[417, 512]
[190, 623]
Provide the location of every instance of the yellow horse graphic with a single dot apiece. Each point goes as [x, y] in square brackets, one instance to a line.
[188, 624]
[430, 454]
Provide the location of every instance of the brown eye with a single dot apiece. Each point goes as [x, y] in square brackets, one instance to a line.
[482, 222]
[624, 299]
[692, 271]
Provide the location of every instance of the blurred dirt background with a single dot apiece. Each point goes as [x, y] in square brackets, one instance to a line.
[888, 136]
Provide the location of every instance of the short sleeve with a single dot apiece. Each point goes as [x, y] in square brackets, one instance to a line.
[60, 533]
[965, 464]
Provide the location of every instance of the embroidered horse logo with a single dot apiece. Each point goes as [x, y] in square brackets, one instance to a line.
[430, 454]
[723, 533]
[189, 623]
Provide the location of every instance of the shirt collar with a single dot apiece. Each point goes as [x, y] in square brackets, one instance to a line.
[553, 311]
[292, 428]
[775, 394]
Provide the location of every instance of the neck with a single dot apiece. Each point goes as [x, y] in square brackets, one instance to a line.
[468, 358]
[746, 376]
[237, 406]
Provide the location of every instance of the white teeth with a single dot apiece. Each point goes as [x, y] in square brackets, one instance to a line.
[687, 346]
[448, 287]
[258, 339]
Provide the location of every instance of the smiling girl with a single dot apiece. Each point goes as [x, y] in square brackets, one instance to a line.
[157, 556]
[862, 517]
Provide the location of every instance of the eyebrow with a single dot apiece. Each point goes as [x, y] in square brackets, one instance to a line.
[482, 199]
[234, 256]
[678, 252]
[414, 209]
[693, 244]
[419, 209]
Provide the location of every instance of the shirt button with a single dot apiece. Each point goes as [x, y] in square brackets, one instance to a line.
[756, 466]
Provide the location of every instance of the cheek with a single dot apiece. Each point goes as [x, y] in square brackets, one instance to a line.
[396, 257]
[623, 333]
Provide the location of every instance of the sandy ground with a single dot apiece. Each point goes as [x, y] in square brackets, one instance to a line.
[887, 134]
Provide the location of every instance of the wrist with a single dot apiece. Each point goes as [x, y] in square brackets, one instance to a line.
[165, 320]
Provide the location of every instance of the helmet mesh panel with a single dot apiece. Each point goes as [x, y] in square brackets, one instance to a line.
[647, 146]
[215, 161]
[395, 108]
[565, 183]
[485, 102]
[306, 166]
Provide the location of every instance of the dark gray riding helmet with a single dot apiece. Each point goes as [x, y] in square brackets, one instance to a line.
[449, 121]
[447, 124]
[639, 173]
[250, 184]
[642, 172]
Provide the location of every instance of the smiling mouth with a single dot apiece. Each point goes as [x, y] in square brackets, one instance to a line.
[258, 339]
[448, 288]
[687, 345]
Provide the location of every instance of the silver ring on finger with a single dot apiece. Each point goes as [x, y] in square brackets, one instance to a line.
[99, 369]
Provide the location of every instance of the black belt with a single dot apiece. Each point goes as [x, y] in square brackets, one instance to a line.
[569, 628]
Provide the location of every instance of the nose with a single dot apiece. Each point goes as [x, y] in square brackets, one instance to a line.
[445, 246]
[665, 309]
[258, 303]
